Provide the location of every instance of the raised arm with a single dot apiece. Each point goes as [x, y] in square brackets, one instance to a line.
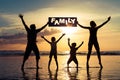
[45, 39]
[69, 42]
[60, 37]
[80, 44]
[104, 22]
[21, 17]
[82, 26]
[38, 30]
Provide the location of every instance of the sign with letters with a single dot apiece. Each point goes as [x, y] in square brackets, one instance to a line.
[62, 21]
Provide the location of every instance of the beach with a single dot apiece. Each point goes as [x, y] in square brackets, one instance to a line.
[10, 68]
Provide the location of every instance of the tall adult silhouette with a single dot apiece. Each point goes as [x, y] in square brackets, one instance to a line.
[93, 39]
[31, 41]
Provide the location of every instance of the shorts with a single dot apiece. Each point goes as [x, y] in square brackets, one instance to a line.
[30, 48]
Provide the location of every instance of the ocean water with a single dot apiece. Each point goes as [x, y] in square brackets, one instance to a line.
[10, 68]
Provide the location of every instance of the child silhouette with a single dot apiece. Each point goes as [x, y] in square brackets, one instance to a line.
[53, 51]
[73, 50]
[93, 39]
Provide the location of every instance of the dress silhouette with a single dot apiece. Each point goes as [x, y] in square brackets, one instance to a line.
[31, 41]
[93, 39]
[53, 51]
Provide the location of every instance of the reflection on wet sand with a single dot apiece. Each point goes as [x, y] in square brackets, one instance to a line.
[72, 74]
[90, 76]
[27, 76]
[51, 76]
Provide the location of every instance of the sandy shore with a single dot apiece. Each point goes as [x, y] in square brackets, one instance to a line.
[10, 69]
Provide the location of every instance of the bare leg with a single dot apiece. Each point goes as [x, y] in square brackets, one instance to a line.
[69, 61]
[35, 49]
[68, 64]
[26, 55]
[89, 53]
[49, 62]
[76, 61]
[56, 62]
[99, 58]
[37, 63]
[98, 54]
[22, 67]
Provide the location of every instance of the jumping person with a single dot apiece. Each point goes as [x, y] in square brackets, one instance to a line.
[31, 41]
[53, 50]
[73, 50]
[93, 39]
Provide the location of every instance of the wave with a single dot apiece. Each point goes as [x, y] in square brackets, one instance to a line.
[20, 52]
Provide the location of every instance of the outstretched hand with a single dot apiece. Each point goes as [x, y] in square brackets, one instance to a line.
[68, 39]
[63, 34]
[20, 15]
[77, 22]
[42, 36]
[48, 22]
[109, 18]
[82, 42]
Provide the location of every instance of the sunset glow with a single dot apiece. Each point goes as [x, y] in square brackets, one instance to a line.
[69, 30]
[12, 31]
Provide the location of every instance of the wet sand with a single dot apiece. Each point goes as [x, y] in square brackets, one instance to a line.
[10, 68]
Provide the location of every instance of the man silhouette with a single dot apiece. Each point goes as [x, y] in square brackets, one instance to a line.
[31, 41]
[93, 39]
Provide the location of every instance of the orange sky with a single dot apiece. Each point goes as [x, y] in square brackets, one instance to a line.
[13, 34]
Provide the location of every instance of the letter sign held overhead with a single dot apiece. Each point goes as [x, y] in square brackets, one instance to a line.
[62, 21]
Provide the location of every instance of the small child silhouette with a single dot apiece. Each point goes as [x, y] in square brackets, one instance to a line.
[53, 50]
[73, 50]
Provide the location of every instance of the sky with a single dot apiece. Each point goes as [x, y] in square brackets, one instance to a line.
[13, 34]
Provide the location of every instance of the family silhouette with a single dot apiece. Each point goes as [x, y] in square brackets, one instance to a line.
[32, 46]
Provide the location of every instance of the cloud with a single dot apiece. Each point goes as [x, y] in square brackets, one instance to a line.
[21, 38]
[8, 20]
[4, 21]
[13, 39]
[47, 32]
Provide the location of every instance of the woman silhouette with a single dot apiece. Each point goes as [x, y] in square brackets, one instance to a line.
[93, 39]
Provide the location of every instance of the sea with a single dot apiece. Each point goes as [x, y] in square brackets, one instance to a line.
[11, 61]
